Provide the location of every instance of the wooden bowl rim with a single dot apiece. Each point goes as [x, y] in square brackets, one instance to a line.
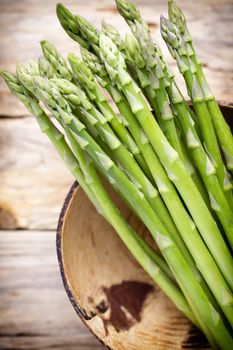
[73, 190]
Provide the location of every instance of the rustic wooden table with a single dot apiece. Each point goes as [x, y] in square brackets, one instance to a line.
[35, 312]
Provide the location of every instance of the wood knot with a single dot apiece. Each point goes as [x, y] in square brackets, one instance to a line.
[8, 219]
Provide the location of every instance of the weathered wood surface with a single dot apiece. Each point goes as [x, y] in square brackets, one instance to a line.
[24, 23]
[35, 312]
[33, 180]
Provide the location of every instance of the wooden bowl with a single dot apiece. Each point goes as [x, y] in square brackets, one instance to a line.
[111, 293]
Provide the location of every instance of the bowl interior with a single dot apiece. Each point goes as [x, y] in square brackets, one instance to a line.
[111, 293]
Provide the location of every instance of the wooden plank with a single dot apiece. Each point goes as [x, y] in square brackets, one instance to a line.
[33, 179]
[34, 308]
[25, 23]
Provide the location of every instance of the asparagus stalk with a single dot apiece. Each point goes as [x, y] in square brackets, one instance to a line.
[222, 129]
[115, 66]
[179, 51]
[60, 110]
[84, 172]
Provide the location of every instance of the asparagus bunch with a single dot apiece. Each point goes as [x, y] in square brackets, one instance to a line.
[157, 154]
[49, 95]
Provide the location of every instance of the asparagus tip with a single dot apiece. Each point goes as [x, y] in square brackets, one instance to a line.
[128, 10]
[7, 76]
[62, 11]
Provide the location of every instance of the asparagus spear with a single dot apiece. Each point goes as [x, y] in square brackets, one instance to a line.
[60, 109]
[200, 106]
[152, 262]
[115, 65]
[222, 129]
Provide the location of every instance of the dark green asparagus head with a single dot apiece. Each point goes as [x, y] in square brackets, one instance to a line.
[46, 70]
[55, 59]
[169, 34]
[81, 72]
[113, 33]
[18, 90]
[110, 54]
[176, 43]
[15, 87]
[128, 10]
[96, 66]
[26, 72]
[133, 51]
[89, 33]
[114, 61]
[177, 17]
[72, 93]
[69, 23]
[47, 92]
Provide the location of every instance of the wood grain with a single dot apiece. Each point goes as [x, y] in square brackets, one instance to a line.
[25, 23]
[34, 180]
[35, 312]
